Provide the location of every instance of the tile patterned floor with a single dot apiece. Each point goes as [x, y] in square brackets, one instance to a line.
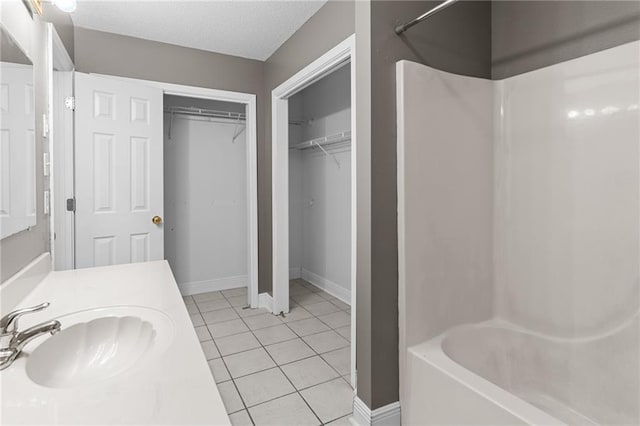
[278, 371]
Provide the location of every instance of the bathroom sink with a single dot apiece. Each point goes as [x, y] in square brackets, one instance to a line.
[99, 344]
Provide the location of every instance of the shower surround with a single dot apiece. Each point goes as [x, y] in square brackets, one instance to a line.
[519, 234]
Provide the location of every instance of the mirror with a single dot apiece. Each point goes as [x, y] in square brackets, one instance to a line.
[17, 138]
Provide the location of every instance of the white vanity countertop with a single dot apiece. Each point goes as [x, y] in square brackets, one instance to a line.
[173, 387]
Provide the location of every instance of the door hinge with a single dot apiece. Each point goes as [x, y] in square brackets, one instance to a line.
[71, 204]
[70, 103]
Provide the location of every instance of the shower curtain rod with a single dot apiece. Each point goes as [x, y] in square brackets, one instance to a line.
[442, 6]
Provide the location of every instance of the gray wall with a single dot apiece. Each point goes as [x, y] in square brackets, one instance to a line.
[17, 250]
[63, 24]
[118, 55]
[456, 40]
[362, 126]
[528, 35]
[333, 23]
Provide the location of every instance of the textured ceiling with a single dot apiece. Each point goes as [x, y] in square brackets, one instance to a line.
[250, 29]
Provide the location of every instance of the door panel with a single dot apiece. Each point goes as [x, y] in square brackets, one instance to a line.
[118, 172]
[17, 149]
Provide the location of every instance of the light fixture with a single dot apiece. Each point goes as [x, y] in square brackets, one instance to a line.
[66, 5]
[35, 6]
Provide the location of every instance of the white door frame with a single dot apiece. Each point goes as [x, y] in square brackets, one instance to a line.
[249, 100]
[61, 225]
[321, 67]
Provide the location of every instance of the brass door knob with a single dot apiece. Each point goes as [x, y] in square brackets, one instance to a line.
[157, 220]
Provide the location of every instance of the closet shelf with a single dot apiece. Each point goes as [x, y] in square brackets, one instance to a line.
[324, 141]
[201, 112]
[240, 118]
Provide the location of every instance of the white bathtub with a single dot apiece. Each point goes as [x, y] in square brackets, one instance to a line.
[493, 373]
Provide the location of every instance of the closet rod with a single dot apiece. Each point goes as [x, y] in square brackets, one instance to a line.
[325, 140]
[216, 114]
[206, 113]
[439, 8]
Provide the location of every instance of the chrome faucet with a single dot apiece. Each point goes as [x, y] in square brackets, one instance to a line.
[13, 341]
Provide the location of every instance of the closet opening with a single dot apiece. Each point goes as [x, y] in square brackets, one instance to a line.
[206, 195]
[314, 205]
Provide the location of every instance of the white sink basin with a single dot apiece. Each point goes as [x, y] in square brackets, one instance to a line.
[99, 344]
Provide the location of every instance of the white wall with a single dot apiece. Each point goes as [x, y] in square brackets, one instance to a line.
[295, 190]
[319, 190]
[556, 177]
[445, 180]
[567, 208]
[205, 204]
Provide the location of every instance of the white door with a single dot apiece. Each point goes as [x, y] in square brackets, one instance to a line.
[119, 180]
[17, 149]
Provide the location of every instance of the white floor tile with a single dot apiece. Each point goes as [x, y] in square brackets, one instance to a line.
[238, 301]
[326, 341]
[250, 312]
[345, 332]
[271, 335]
[196, 320]
[288, 410]
[330, 400]
[340, 360]
[210, 350]
[296, 313]
[327, 296]
[240, 291]
[289, 351]
[230, 397]
[248, 362]
[202, 297]
[322, 308]
[310, 286]
[347, 378]
[262, 321]
[308, 299]
[203, 333]
[295, 290]
[220, 315]
[213, 305]
[263, 386]
[308, 326]
[192, 308]
[342, 421]
[236, 343]
[336, 319]
[309, 372]
[227, 328]
[340, 304]
[241, 418]
[219, 371]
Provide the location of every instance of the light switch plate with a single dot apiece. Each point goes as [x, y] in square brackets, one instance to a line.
[46, 202]
[45, 126]
[46, 164]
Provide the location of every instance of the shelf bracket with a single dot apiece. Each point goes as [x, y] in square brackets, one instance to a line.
[326, 153]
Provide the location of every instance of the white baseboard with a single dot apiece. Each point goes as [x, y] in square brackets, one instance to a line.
[265, 301]
[330, 287]
[295, 273]
[197, 287]
[389, 415]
